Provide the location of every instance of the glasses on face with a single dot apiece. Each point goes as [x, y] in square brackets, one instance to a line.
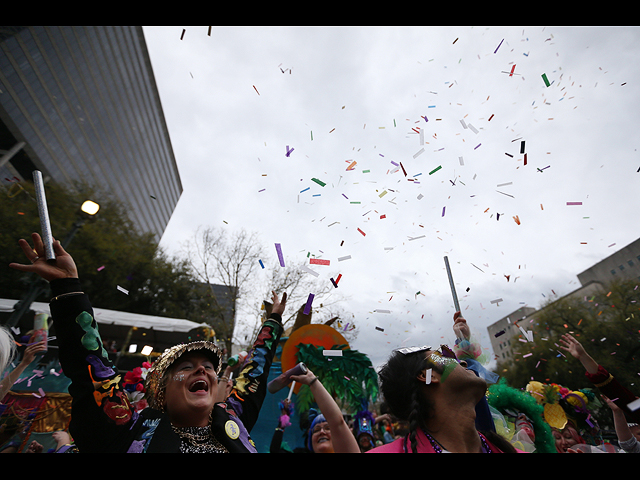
[443, 351]
[408, 350]
[321, 427]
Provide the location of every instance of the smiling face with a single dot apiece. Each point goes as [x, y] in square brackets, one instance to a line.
[190, 390]
[565, 438]
[321, 438]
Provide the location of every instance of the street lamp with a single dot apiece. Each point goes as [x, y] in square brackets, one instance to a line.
[89, 207]
[38, 285]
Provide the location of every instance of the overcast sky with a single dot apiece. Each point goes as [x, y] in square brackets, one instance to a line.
[255, 114]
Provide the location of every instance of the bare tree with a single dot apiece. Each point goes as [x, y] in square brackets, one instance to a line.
[233, 260]
[296, 280]
[218, 257]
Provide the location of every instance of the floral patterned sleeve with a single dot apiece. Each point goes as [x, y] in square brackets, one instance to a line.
[101, 413]
[251, 385]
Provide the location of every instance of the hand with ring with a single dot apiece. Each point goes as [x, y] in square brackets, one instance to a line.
[62, 267]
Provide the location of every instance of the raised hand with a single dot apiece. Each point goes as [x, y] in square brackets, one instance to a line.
[278, 304]
[460, 327]
[62, 267]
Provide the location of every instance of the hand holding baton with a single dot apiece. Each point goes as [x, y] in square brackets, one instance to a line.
[43, 212]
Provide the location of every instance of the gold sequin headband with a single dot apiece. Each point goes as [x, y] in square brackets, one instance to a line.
[155, 384]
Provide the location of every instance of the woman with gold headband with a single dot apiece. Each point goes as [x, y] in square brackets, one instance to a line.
[186, 412]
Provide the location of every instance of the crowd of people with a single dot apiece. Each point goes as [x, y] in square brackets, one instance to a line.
[435, 399]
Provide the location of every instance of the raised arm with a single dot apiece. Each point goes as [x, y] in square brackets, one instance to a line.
[250, 387]
[342, 438]
[575, 348]
[101, 414]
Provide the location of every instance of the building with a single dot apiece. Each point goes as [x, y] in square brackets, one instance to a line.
[623, 264]
[505, 332]
[81, 104]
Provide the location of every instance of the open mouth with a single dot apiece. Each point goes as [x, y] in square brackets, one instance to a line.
[199, 385]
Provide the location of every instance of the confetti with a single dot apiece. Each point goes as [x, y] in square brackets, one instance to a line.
[319, 182]
[363, 234]
[126, 292]
[332, 353]
[498, 46]
[435, 169]
[307, 307]
[279, 251]
[101, 268]
[308, 270]
[574, 203]
[546, 81]
[254, 87]
[319, 261]
[289, 151]
[261, 264]
[347, 257]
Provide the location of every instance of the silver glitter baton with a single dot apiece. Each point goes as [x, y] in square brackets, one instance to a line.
[453, 288]
[43, 212]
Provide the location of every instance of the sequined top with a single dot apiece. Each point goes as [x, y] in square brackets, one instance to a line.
[198, 440]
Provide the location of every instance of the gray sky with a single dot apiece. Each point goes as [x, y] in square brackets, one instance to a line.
[237, 99]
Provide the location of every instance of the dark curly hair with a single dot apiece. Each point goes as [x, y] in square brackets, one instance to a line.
[402, 390]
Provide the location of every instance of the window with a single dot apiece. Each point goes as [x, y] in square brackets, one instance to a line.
[621, 267]
[630, 262]
[613, 272]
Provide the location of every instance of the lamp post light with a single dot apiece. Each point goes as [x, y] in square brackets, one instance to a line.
[38, 285]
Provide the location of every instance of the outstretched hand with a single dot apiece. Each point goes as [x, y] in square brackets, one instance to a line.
[31, 351]
[278, 304]
[62, 267]
[573, 346]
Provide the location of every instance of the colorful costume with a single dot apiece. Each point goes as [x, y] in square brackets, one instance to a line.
[514, 404]
[621, 396]
[103, 420]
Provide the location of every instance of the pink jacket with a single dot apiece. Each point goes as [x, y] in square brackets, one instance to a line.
[403, 445]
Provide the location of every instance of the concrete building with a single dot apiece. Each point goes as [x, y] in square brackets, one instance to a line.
[81, 104]
[623, 264]
[505, 334]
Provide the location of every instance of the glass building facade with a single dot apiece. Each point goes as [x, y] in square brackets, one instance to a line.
[81, 103]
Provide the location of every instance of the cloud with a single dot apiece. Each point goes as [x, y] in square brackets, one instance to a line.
[356, 94]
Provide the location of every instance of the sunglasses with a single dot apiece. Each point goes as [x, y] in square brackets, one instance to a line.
[443, 351]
